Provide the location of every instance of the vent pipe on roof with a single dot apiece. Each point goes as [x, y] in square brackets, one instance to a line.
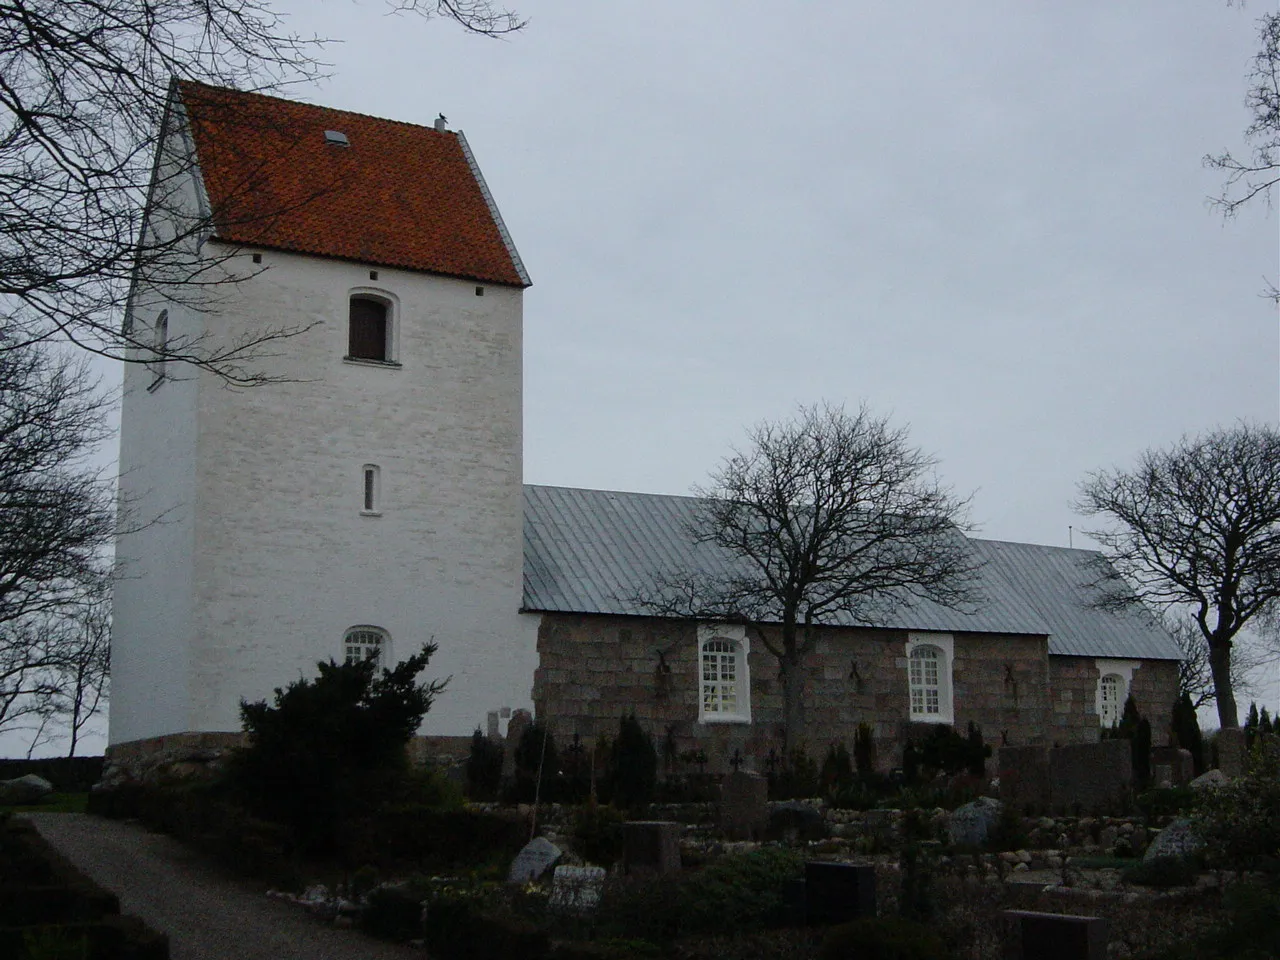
[441, 124]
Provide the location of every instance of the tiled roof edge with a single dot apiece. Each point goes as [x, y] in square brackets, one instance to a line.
[493, 208]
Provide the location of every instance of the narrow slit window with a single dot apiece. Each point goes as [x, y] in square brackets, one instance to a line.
[160, 344]
[371, 479]
[368, 331]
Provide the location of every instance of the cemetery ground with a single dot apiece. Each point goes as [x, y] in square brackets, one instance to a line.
[802, 863]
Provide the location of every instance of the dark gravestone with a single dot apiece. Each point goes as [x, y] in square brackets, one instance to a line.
[839, 892]
[651, 846]
[1053, 936]
[1091, 777]
[1182, 767]
[744, 805]
[1024, 778]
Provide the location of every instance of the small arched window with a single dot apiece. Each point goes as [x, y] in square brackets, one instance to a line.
[369, 329]
[929, 659]
[365, 643]
[160, 344]
[1111, 691]
[926, 685]
[724, 687]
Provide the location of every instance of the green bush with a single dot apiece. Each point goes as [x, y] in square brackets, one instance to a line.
[795, 777]
[597, 833]
[329, 745]
[1163, 802]
[740, 893]
[465, 924]
[1135, 728]
[1240, 819]
[1185, 726]
[882, 938]
[947, 752]
[837, 770]
[484, 767]
[864, 750]
[536, 753]
[633, 765]
[431, 839]
[392, 913]
[1249, 929]
[1163, 872]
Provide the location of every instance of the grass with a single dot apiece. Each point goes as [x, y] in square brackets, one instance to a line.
[56, 803]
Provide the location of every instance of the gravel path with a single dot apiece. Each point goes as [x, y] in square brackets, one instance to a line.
[208, 915]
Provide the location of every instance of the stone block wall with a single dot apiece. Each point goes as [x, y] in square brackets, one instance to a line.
[593, 669]
[1074, 684]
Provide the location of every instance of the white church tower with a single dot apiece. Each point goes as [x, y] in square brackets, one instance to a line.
[369, 496]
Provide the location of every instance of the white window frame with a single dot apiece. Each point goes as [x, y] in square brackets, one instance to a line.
[735, 636]
[1114, 668]
[392, 304]
[371, 490]
[944, 645]
[366, 637]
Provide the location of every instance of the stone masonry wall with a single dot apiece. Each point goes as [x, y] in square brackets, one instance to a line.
[596, 668]
[1074, 684]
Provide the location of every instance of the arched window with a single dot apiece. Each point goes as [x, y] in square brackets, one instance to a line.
[1114, 680]
[724, 684]
[926, 688]
[1110, 699]
[365, 643]
[160, 344]
[929, 658]
[369, 329]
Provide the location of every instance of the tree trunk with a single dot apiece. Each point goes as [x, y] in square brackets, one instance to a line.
[792, 677]
[1220, 667]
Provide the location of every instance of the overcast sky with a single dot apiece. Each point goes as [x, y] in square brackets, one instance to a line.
[987, 220]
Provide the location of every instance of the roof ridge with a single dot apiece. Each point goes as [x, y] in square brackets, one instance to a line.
[629, 493]
[312, 106]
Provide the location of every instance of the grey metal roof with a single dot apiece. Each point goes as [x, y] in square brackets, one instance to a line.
[597, 551]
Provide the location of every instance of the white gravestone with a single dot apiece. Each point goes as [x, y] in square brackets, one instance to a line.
[532, 862]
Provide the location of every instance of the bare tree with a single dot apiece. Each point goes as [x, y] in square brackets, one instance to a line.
[82, 678]
[1254, 176]
[56, 517]
[827, 518]
[1197, 525]
[84, 90]
[1194, 676]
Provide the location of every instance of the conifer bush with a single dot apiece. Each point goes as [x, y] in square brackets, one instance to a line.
[633, 765]
[332, 744]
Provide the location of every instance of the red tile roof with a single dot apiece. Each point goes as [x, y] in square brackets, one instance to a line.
[400, 195]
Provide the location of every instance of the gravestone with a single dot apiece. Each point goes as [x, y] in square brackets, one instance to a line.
[971, 825]
[651, 846]
[744, 805]
[1024, 778]
[1178, 839]
[1182, 766]
[576, 889]
[1162, 775]
[1053, 936]
[794, 821]
[25, 790]
[533, 860]
[1091, 777]
[1231, 752]
[839, 892]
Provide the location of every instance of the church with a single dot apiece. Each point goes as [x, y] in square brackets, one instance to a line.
[368, 497]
